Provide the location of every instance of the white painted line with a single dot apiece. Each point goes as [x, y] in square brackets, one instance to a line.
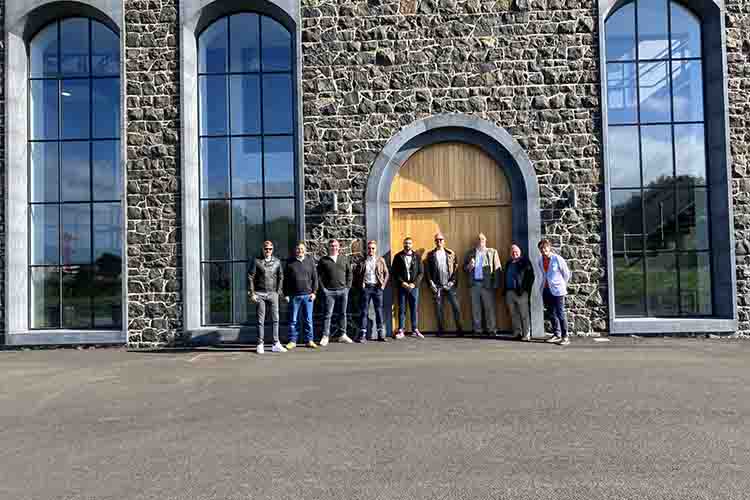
[601, 339]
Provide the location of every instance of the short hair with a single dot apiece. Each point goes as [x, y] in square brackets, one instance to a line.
[408, 238]
[440, 234]
[300, 243]
[374, 242]
[544, 243]
[332, 241]
[481, 235]
[268, 242]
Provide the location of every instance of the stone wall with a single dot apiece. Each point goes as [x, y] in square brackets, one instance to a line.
[154, 278]
[738, 58]
[531, 67]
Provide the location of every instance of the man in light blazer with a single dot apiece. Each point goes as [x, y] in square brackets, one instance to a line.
[556, 275]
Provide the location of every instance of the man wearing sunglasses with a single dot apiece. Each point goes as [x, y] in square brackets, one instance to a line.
[265, 282]
[442, 276]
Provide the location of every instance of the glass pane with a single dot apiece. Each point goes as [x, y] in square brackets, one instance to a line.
[629, 285]
[106, 93]
[212, 48]
[687, 88]
[44, 171]
[624, 168]
[277, 46]
[75, 171]
[695, 284]
[44, 109]
[245, 44]
[247, 228]
[108, 296]
[621, 94]
[105, 50]
[653, 30]
[620, 30]
[662, 285]
[74, 47]
[107, 235]
[659, 205]
[106, 170]
[241, 301]
[656, 106]
[245, 98]
[45, 240]
[247, 179]
[686, 32]
[77, 290]
[76, 234]
[213, 105]
[656, 145]
[75, 101]
[279, 166]
[690, 153]
[281, 226]
[214, 168]
[45, 297]
[217, 289]
[215, 232]
[277, 104]
[44, 53]
[692, 218]
[627, 222]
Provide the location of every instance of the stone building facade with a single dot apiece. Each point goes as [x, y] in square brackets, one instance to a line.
[529, 71]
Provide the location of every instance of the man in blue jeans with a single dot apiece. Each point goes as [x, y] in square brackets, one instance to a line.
[300, 284]
[372, 276]
[554, 289]
[407, 276]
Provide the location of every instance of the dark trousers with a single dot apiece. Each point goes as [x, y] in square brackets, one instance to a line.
[408, 296]
[555, 307]
[375, 294]
[450, 294]
[336, 301]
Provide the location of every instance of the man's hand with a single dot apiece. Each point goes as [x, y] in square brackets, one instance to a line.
[405, 285]
[450, 285]
[472, 263]
[312, 297]
[287, 299]
[412, 286]
[253, 298]
[433, 287]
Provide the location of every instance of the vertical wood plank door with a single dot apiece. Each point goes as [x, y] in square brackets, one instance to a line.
[456, 189]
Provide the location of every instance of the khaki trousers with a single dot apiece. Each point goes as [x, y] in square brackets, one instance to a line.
[520, 312]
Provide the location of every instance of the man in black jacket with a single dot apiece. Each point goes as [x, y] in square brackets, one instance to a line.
[265, 283]
[519, 280]
[335, 274]
[300, 285]
[407, 273]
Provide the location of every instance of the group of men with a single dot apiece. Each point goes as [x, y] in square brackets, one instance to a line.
[302, 279]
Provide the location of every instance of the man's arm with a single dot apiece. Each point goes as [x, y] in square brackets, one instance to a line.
[251, 279]
[565, 269]
[348, 273]
[385, 270]
[420, 270]
[315, 281]
[280, 279]
[498, 269]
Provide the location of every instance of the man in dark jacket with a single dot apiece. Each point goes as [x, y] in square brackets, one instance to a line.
[519, 280]
[407, 276]
[265, 284]
[335, 274]
[300, 285]
[441, 272]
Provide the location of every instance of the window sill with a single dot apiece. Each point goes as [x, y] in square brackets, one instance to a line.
[625, 326]
[65, 337]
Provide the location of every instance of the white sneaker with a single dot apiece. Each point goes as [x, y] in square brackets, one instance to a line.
[553, 340]
[324, 341]
[345, 339]
[277, 347]
[260, 349]
[399, 335]
[565, 341]
[418, 334]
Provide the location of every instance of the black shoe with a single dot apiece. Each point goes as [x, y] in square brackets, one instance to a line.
[382, 339]
[460, 332]
[361, 340]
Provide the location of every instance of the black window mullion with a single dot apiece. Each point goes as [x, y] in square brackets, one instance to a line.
[644, 239]
[228, 91]
[264, 224]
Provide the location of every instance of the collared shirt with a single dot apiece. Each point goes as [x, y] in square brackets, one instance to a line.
[441, 257]
[299, 258]
[478, 262]
[407, 261]
[268, 258]
[334, 257]
[370, 276]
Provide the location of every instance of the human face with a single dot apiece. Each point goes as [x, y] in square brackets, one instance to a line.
[267, 250]
[546, 250]
[515, 252]
[407, 245]
[333, 248]
[481, 241]
[299, 251]
[371, 249]
[439, 241]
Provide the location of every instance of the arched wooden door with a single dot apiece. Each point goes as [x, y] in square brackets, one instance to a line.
[459, 190]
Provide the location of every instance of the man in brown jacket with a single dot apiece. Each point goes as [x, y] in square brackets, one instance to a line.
[372, 277]
[443, 280]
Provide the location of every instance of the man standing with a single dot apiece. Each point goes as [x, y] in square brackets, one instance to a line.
[265, 284]
[519, 280]
[300, 284]
[335, 274]
[407, 273]
[372, 276]
[484, 269]
[441, 273]
[554, 289]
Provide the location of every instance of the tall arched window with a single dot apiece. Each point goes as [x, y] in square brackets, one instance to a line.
[657, 163]
[74, 192]
[247, 155]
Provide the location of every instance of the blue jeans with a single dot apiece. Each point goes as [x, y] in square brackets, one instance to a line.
[303, 304]
[374, 294]
[412, 297]
[555, 307]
